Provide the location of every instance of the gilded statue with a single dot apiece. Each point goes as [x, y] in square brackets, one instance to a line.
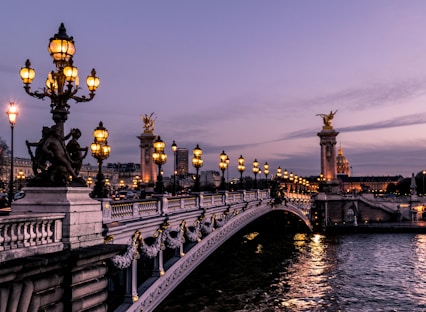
[148, 123]
[327, 118]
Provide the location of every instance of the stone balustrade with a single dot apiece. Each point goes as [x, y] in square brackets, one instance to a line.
[22, 235]
[161, 205]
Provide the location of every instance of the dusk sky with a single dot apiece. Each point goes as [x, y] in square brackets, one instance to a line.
[247, 77]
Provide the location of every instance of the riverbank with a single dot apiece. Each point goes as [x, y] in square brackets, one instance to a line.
[380, 227]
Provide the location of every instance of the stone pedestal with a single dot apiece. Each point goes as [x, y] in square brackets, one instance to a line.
[82, 226]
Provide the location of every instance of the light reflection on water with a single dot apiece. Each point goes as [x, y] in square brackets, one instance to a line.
[312, 272]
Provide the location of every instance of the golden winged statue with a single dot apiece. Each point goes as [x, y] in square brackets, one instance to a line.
[148, 123]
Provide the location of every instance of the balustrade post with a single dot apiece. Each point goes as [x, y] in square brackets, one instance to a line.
[106, 210]
[135, 209]
[163, 204]
[224, 197]
[200, 200]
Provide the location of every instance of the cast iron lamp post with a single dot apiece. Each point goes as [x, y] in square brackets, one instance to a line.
[20, 177]
[266, 172]
[197, 162]
[12, 113]
[100, 151]
[160, 159]
[279, 173]
[136, 182]
[62, 84]
[255, 171]
[222, 166]
[241, 169]
[227, 169]
[174, 149]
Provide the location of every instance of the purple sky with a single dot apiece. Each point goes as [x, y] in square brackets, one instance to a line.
[247, 77]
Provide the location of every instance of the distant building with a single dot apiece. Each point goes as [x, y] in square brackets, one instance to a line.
[182, 162]
[342, 164]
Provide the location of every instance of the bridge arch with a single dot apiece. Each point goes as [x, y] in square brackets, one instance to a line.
[155, 289]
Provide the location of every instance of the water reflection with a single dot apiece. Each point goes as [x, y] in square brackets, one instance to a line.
[269, 271]
[306, 278]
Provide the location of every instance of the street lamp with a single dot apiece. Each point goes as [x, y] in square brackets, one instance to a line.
[279, 173]
[227, 169]
[266, 172]
[222, 166]
[89, 181]
[100, 151]
[20, 177]
[197, 162]
[160, 159]
[241, 169]
[423, 182]
[174, 149]
[61, 86]
[12, 113]
[255, 171]
[136, 182]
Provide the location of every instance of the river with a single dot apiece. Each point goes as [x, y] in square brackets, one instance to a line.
[268, 268]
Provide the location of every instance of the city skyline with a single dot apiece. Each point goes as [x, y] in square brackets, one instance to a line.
[246, 77]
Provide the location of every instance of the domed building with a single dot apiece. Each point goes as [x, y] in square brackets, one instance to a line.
[342, 164]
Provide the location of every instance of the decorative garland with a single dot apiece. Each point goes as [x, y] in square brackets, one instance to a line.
[174, 239]
[208, 227]
[124, 261]
[151, 250]
[192, 233]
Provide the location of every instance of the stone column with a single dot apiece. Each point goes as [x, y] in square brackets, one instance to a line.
[328, 153]
[148, 167]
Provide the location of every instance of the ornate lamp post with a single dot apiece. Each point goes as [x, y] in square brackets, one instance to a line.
[136, 182]
[255, 171]
[266, 172]
[241, 169]
[222, 166]
[174, 149]
[62, 84]
[100, 151]
[12, 113]
[160, 159]
[197, 162]
[279, 173]
[227, 168]
[20, 177]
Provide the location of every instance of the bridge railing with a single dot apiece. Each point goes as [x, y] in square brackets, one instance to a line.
[22, 236]
[160, 205]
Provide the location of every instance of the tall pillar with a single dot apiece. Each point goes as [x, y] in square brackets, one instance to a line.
[147, 138]
[328, 148]
[148, 172]
[328, 153]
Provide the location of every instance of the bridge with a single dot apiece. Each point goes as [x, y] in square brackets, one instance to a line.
[153, 245]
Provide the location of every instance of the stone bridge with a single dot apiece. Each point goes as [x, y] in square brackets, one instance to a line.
[118, 255]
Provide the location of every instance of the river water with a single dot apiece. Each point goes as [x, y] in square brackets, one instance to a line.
[267, 267]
